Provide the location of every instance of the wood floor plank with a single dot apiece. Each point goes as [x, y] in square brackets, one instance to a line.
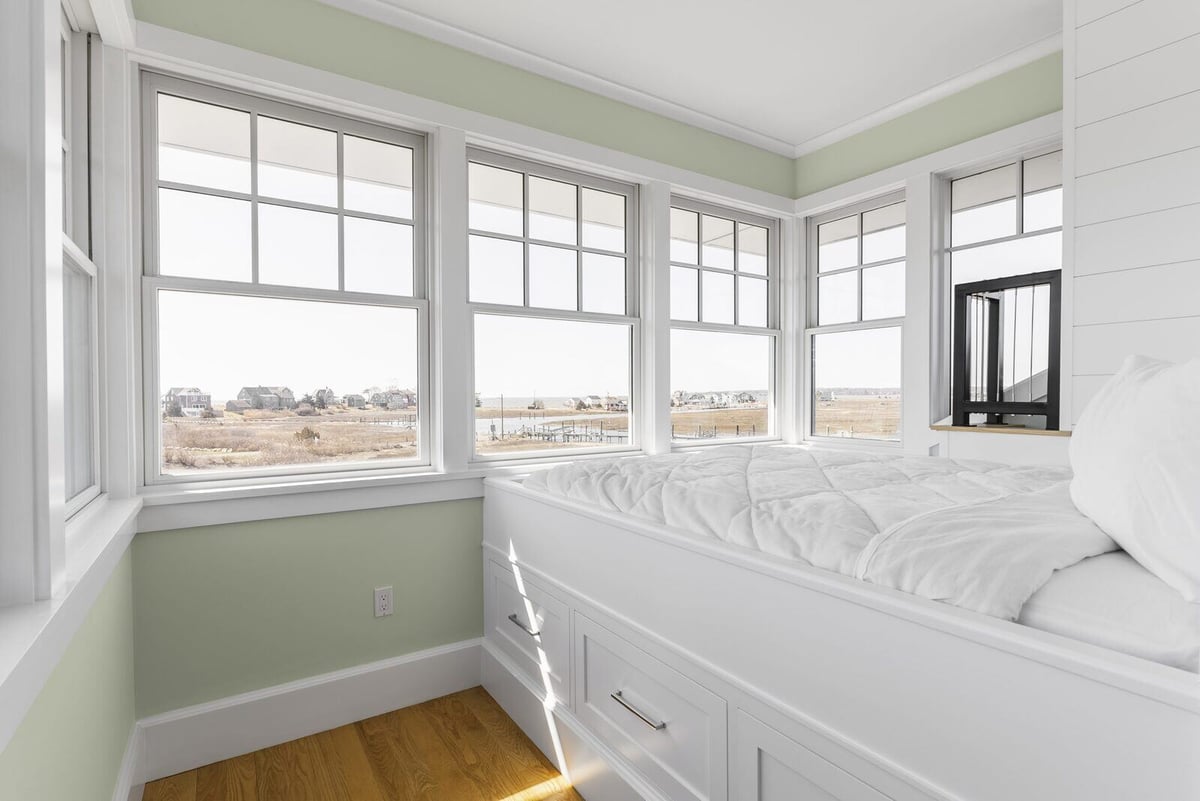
[346, 752]
[180, 787]
[231, 780]
[297, 771]
[412, 762]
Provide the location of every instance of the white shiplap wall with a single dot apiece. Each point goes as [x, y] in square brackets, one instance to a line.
[1133, 138]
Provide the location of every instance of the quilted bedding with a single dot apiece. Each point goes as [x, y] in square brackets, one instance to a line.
[979, 535]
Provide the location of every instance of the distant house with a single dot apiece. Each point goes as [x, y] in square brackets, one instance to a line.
[575, 403]
[355, 401]
[613, 404]
[238, 406]
[186, 402]
[537, 404]
[746, 397]
[393, 399]
[268, 397]
[325, 397]
[594, 402]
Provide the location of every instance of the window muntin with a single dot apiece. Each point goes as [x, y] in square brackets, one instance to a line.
[296, 340]
[994, 237]
[552, 287]
[856, 304]
[724, 330]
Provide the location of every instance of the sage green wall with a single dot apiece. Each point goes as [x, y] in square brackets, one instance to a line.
[316, 35]
[221, 610]
[70, 745]
[1022, 94]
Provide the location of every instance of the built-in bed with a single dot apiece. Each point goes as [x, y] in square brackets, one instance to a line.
[778, 622]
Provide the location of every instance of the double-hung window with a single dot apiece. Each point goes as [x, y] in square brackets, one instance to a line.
[284, 294]
[724, 323]
[552, 290]
[856, 289]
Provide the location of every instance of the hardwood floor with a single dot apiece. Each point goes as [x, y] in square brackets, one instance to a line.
[458, 748]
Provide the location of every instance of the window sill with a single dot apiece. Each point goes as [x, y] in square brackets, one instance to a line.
[34, 636]
[1025, 432]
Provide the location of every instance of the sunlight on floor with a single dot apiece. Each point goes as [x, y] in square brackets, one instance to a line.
[541, 791]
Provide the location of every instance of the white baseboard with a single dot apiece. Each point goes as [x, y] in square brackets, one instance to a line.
[129, 782]
[200, 735]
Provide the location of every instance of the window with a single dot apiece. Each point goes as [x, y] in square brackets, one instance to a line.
[856, 297]
[286, 319]
[552, 289]
[724, 329]
[1005, 259]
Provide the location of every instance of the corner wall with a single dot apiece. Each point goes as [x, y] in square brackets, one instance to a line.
[71, 743]
[222, 610]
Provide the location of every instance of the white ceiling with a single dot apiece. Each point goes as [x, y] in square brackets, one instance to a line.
[784, 74]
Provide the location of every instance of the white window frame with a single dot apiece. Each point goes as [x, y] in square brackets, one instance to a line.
[632, 316]
[76, 260]
[773, 328]
[944, 300]
[812, 329]
[152, 282]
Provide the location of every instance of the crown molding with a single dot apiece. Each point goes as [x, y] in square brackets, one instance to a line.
[992, 69]
[389, 13]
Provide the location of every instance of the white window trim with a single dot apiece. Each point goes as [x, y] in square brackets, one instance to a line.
[74, 258]
[631, 318]
[774, 328]
[152, 282]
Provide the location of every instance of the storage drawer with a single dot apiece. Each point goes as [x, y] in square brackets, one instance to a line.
[768, 766]
[532, 627]
[666, 725]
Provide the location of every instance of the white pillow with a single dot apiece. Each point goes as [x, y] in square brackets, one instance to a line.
[1135, 453]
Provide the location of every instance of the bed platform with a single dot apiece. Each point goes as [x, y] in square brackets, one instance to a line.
[651, 663]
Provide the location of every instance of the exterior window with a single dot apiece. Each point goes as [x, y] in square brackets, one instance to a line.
[724, 329]
[552, 279]
[286, 316]
[1005, 261]
[856, 298]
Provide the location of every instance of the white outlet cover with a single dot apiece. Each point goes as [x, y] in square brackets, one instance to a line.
[383, 601]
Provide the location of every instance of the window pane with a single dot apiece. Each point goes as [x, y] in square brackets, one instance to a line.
[603, 220]
[1015, 257]
[253, 383]
[717, 250]
[1044, 210]
[379, 256]
[837, 298]
[551, 211]
[685, 236]
[883, 291]
[984, 206]
[837, 244]
[297, 247]
[720, 384]
[79, 400]
[547, 384]
[553, 278]
[497, 271]
[203, 236]
[685, 294]
[378, 178]
[884, 233]
[717, 298]
[856, 382]
[752, 249]
[496, 201]
[603, 283]
[752, 301]
[297, 162]
[1043, 172]
[203, 144]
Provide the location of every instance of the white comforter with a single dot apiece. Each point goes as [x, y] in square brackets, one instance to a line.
[978, 535]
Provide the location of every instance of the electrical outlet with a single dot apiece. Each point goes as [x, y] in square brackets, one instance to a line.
[383, 601]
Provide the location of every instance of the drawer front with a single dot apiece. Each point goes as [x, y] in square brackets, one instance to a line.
[533, 627]
[768, 766]
[666, 725]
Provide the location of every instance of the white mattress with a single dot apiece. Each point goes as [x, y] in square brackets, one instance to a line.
[1112, 601]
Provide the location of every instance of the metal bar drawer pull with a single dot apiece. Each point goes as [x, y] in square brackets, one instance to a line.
[657, 725]
[517, 622]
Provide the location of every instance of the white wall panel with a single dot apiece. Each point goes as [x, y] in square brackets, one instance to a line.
[1162, 183]
[1166, 127]
[1100, 349]
[1162, 237]
[1150, 293]
[1156, 76]
[1133, 31]
[1091, 10]
[1085, 388]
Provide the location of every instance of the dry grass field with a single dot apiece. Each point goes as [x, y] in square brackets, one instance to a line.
[710, 423]
[859, 416]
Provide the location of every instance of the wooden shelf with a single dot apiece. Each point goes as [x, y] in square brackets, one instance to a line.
[1029, 432]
